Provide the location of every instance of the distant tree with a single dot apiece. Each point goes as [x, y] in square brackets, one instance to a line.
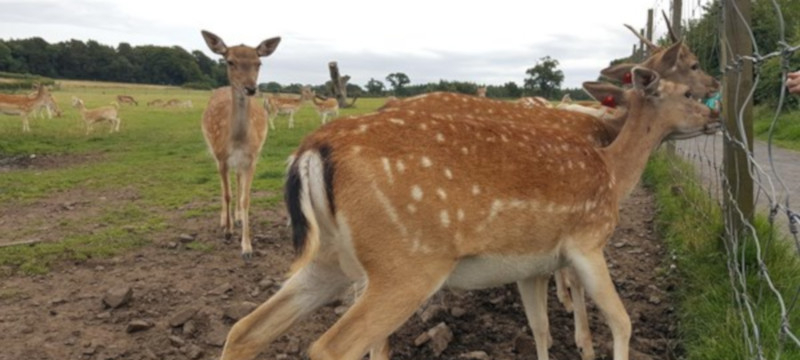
[375, 87]
[7, 60]
[270, 87]
[399, 81]
[512, 89]
[544, 79]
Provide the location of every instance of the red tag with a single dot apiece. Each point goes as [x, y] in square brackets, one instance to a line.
[609, 101]
[628, 78]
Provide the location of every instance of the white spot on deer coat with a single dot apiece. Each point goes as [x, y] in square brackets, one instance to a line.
[445, 218]
[387, 167]
[425, 161]
[448, 174]
[416, 193]
[476, 189]
[441, 194]
[397, 121]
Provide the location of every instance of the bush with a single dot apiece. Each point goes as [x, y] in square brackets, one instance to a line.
[768, 89]
[198, 85]
[22, 82]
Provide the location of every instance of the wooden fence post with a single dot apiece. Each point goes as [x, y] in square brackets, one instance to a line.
[736, 86]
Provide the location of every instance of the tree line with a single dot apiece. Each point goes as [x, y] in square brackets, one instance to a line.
[149, 64]
[91, 60]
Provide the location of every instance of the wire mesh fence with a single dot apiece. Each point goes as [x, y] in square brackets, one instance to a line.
[752, 240]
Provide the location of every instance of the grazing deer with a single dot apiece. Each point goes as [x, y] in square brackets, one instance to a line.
[325, 108]
[101, 114]
[24, 105]
[388, 197]
[126, 99]
[156, 102]
[235, 128]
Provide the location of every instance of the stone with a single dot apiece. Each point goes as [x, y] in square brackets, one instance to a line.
[138, 325]
[181, 317]
[117, 297]
[441, 336]
[240, 310]
[476, 355]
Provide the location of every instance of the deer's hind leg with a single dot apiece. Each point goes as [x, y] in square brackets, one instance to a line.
[310, 288]
[388, 301]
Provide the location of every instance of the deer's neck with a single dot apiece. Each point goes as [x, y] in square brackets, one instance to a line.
[239, 117]
[627, 155]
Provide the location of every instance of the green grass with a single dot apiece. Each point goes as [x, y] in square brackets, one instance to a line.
[691, 225]
[786, 132]
[159, 157]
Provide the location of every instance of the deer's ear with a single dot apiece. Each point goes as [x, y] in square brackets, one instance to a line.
[607, 94]
[646, 80]
[619, 72]
[672, 54]
[214, 43]
[268, 46]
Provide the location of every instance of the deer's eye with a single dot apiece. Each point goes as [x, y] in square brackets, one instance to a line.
[695, 66]
[688, 94]
[231, 63]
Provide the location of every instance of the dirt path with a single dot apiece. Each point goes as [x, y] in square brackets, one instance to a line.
[182, 302]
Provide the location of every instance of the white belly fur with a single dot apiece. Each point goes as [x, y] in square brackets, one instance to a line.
[481, 272]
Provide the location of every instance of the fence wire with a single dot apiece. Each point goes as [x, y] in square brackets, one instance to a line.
[747, 249]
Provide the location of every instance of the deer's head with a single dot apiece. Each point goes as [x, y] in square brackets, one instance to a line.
[243, 61]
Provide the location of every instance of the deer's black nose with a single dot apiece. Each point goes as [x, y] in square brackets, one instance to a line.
[250, 91]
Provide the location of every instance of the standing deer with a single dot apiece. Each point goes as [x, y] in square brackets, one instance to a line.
[411, 201]
[235, 128]
[325, 108]
[24, 105]
[90, 117]
[678, 63]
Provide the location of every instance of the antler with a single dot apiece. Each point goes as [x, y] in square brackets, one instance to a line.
[649, 43]
[672, 34]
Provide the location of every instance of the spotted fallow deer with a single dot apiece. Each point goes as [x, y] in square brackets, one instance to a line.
[234, 127]
[481, 91]
[24, 105]
[325, 108]
[411, 202]
[599, 130]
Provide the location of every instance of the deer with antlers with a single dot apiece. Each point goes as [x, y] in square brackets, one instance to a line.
[234, 127]
[388, 197]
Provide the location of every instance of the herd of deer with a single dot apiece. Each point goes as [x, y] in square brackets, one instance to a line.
[42, 102]
[277, 104]
[450, 190]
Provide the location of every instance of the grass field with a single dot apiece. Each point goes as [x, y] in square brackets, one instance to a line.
[159, 155]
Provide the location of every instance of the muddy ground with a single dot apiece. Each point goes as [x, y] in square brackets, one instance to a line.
[173, 302]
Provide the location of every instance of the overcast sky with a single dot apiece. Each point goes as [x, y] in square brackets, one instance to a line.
[488, 42]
